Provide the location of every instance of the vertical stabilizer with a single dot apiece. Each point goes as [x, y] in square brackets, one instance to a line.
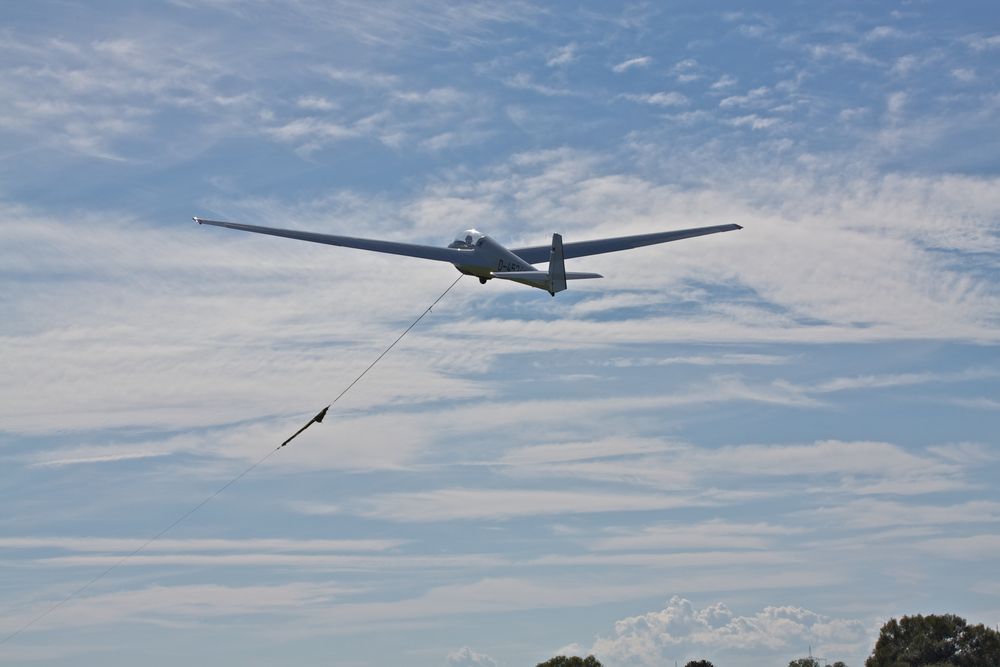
[557, 266]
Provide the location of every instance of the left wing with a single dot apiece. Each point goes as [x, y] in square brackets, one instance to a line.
[452, 255]
[540, 253]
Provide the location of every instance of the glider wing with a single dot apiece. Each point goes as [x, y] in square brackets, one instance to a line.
[541, 253]
[452, 255]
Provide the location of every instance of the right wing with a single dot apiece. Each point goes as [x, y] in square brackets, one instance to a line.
[452, 255]
[541, 253]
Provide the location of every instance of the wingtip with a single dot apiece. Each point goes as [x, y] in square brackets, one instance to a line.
[196, 219]
[739, 226]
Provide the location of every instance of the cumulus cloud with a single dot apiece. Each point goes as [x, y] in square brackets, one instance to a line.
[680, 631]
[466, 657]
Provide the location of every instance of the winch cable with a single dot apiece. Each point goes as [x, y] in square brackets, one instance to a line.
[315, 420]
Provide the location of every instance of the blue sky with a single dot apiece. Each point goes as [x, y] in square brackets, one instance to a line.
[734, 447]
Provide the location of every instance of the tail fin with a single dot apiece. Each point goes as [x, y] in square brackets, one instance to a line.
[555, 279]
[557, 266]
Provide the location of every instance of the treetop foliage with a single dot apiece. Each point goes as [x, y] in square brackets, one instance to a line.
[572, 661]
[935, 641]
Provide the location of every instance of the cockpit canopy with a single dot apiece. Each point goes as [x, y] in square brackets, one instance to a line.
[467, 240]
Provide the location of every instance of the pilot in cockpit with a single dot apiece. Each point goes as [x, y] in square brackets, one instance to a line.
[467, 240]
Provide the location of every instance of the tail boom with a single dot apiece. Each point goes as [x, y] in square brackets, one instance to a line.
[553, 280]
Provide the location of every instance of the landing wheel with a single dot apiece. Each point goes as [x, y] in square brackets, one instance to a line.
[482, 281]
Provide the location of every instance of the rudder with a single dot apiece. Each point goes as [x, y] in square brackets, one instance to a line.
[557, 266]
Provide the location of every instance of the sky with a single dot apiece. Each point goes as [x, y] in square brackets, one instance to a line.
[741, 447]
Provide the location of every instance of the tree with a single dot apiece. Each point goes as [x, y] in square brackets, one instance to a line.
[699, 663]
[804, 662]
[573, 661]
[934, 641]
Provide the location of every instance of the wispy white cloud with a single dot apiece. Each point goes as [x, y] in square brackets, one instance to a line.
[578, 451]
[970, 548]
[884, 32]
[446, 96]
[563, 56]
[853, 113]
[684, 537]
[978, 403]
[899, 380]
[359, 77]
[661, 99]
[88, 96]
[870, 513]
[667, 559]
[524, 81]
[753, 121]
[305, 129]
[107, 544]
[964, 74]
[184, 604]
[686, 70]
[464, 504]
[316, 103]
[856, 468]
[303, 562]
[632, 63]
[754, 30]
[724, 81]
[982, 42]
[845, 51]
[728, 359]
[753, 98]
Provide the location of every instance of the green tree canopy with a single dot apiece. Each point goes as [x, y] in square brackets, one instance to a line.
[804, 662]
[573, 661]
[935, 641]
[813, 662]
[699, 663]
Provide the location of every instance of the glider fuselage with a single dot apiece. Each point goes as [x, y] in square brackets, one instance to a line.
[486, 256]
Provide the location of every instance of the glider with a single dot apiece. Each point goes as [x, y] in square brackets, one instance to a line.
[476, 254]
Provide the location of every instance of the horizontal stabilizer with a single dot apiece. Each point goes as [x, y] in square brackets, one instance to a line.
[539, 277]
[535, 278]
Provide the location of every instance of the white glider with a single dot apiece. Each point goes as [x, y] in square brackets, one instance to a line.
[476, 254]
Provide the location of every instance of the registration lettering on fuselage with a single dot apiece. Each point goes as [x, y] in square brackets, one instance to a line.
[510, 266]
